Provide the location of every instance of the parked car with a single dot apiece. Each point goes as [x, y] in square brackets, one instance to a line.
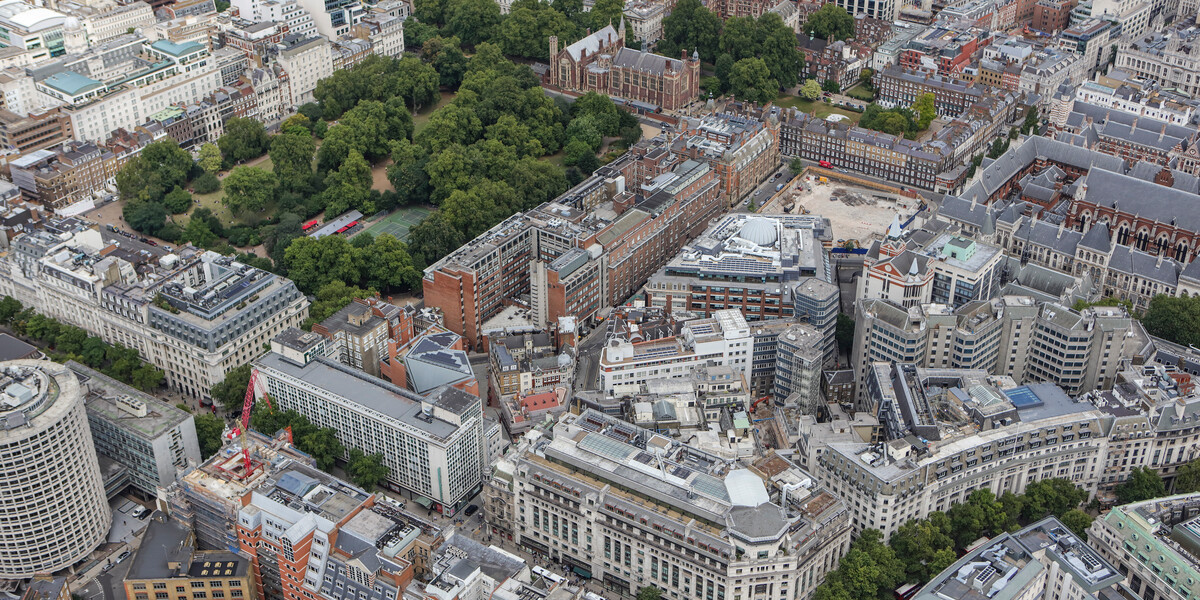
[471, 510]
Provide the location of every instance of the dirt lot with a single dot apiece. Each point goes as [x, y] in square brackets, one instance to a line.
[854, 212]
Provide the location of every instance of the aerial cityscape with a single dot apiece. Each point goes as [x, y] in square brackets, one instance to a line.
[599, 300]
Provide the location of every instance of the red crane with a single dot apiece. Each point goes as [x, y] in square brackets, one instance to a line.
[247, 404]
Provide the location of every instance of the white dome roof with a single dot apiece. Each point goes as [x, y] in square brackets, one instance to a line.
[760, 231]
[745, 488]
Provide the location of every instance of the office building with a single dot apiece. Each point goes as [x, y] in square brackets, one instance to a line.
[1165, 57]
[1154, 544]
[947, 269]
[1012, 336]
[51, 491]
[433, 446]
[632, 508]
[1035, 431]
[167, 562]
[195, 315]
[748, 263]
[152, 441]
[799, 361]
[1043, 560]
[35, 28]
[723, 339]
[588, 250]
[743, 147]
[306, 60]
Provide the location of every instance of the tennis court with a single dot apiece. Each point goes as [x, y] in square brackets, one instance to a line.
[399, 222]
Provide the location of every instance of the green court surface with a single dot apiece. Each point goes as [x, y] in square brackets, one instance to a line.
[399, 222]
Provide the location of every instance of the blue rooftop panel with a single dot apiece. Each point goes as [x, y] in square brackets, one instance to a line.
[72, 83]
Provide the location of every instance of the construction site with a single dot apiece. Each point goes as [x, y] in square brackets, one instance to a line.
[854, 211]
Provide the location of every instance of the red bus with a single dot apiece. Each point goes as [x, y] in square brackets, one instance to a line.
[825, 164]
[309, 225]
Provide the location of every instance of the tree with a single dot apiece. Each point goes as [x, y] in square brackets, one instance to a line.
[349, 188]
[146, 377]
[811, 90]
[450, 65]
[199, 233]
[332, 297]
[606, 12]
[1050, 497]
[366, 471]
[796, 166]
[722, 69]
[738, 38]
[416, 82]
[208, 433]
[323, 446]
[210, 158]
[9, 309]
[926, 108]
[575, 151]
[231, 392]
[431, 239]
[206, 184]
[1174, 319]
[605, 114]
[775, 43]
[292, 155]
[691, 26]
[980, 516]
[750, 80]
[1143, 484]
[831, 86]
[177, 201]
[918, 542]
[472, 21]
[1077, 521]
[244, 139]
[156, 170]
[830, 22]
[391, 267]
[1030, 125]
[146, 217]
[1187, 478]
[313, 263]
[249, 189]
[649, 592]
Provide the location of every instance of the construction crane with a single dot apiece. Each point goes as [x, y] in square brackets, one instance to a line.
[247, 404]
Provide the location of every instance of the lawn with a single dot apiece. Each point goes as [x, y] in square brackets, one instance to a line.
[421, 119]
[213, 201]
[818, 108]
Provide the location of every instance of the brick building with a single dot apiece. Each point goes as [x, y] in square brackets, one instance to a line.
[841, 62]
[601, 63]
[33, 131]
[1052, 16]
[901, 87]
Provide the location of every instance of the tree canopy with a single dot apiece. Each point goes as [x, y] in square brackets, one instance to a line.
[1174, 319]
[830, 22]
[691, 27]
[1143, 484]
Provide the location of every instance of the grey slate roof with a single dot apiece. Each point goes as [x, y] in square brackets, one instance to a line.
[1097, 238]
[1135, 262]
[646, 61]
[1048, 235]
[1144, 198]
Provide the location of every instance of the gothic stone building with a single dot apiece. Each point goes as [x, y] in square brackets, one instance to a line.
[601, 63]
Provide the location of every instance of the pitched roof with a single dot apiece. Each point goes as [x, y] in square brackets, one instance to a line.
[1097, 238]
[593, 43]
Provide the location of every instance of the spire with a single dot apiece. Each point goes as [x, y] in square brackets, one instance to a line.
[895, 230]
[913, 269]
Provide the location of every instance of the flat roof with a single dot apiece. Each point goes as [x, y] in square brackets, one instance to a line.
[11, 348]
[359, 388]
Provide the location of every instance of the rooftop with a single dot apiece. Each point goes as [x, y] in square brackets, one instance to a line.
[358, 388]
[131, 410]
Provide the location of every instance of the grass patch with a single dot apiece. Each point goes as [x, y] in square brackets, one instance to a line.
[214, 202]
[818, 108]
[421, 118]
